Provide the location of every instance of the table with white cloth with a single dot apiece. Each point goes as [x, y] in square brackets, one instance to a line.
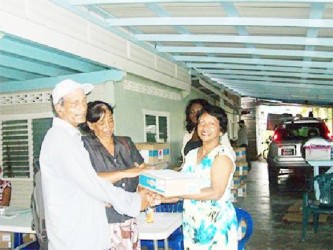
[163, 226]
[316, 165]
[16, 220]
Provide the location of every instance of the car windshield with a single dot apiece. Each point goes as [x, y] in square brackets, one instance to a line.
[301, 130]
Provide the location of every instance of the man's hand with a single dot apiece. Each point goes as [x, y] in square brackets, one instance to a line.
[149, 199]
[144, 199]
[155, 199]
[108, 205]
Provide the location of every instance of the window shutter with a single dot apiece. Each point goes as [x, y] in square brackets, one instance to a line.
[39, 129]
[163, 128]
[15, 148]
[151, 128]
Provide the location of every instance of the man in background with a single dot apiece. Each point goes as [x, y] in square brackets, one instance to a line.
[242, 140]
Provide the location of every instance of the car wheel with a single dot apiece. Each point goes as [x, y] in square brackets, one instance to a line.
[273, 173]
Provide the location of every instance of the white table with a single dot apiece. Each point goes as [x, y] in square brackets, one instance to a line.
[316, 165]
[16, 220]
[19, 221]
[164, 224]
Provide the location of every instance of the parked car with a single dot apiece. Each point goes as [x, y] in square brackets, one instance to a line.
[286, 151]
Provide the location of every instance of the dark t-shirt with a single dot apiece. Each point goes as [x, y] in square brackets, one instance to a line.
[125, 155]
[192, 145]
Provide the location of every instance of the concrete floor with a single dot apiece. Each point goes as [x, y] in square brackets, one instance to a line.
[268, 206]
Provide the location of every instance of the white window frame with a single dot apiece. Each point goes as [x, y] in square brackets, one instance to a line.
[156, 114]
[29, 118]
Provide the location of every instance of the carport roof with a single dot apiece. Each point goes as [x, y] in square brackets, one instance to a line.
[274, 49]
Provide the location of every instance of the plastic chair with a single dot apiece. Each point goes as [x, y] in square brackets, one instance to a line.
[175, 240]
[30, 246]
[311, 205]
[20, 245]
[243, 215]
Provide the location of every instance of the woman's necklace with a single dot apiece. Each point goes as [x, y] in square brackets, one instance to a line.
[203, 153]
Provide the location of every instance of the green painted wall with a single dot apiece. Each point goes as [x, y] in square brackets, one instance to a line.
[129, 106]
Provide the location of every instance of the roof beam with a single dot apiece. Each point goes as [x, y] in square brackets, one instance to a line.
[229, 66]
[50, 82]
[221, 21]
[276, 79]
[15, 74]
[260, 84]
[275, 62]
[10, 61]
[294, 98]
[281, 40]
[223, 72]
[245, 51]
[90, 2]
[41, 53]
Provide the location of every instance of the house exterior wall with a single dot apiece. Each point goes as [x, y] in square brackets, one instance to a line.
[135, 94]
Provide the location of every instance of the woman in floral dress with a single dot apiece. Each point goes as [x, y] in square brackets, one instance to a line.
[5, 191]
[209, 218]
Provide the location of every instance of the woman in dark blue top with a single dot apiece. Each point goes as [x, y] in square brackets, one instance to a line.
[119, 156]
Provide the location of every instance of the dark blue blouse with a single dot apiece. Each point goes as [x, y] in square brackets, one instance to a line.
[125, 155]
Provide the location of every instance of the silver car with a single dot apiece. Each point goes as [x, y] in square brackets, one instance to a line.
[286, 148]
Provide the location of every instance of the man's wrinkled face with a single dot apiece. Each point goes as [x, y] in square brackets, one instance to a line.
[74, 107]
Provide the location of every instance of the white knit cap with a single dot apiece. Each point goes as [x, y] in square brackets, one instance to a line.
[67, 86]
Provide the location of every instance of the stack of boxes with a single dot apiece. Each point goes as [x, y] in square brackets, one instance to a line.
[155, 154]
[6, 240]
[238, 188]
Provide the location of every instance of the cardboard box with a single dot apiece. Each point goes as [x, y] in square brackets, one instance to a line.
[157, 166]
[5, 240]
[241, 168]
[236, 182]
[243, 179]
[241, 229]
[317, 149]
[240, 154]
[233, 195]
[168, 182]
[317, 153]
[153, 152]
[241, 191]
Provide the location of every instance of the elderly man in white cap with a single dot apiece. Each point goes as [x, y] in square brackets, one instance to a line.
[74, 195]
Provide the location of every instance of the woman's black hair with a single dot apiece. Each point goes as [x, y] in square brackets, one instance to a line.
[95, 112]
[189, 125]
[220, 115]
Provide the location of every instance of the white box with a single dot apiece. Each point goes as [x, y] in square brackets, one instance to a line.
[169, 183]
[317, 153]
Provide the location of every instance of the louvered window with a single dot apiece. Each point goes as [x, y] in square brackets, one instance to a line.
[39, 129]
[15, 148]
[156, 126]
[20, 145]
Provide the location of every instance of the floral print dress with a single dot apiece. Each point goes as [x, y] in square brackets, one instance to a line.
[209, 224]
[3, 185]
